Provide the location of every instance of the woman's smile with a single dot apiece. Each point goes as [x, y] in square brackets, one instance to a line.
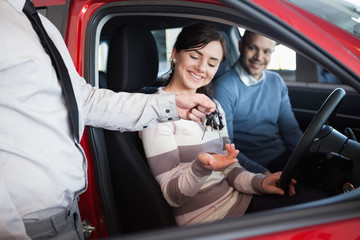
[196, 77]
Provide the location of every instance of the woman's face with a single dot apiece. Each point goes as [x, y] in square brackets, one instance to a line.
[196, 68]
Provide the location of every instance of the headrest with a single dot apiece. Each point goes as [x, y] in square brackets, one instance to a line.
[133, 59]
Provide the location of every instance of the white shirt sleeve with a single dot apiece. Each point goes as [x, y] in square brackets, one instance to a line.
[126, 111]
[110, 110]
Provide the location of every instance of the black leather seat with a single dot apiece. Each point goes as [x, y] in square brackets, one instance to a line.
[133, 60]
[139, 203]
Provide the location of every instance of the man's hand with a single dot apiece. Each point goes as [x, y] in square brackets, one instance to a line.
[193, 106]
[219, 162]
[269, 185]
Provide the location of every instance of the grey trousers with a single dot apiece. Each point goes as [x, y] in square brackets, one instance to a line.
[63, 225]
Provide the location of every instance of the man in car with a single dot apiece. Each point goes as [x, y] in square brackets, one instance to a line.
[257, 107]
[42, 165]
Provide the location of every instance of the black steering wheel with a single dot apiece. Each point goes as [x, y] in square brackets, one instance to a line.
[321, 117]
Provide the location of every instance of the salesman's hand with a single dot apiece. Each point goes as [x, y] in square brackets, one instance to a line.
[193, 106]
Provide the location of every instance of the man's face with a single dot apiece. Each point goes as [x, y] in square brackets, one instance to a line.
[256, 54]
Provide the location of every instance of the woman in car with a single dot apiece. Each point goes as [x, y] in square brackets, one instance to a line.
[195, 164]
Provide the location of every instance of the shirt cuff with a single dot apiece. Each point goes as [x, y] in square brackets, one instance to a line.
[256, 182]
[167, 107]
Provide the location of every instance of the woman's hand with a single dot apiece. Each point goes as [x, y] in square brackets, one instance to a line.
[219, 162]
[270, 182]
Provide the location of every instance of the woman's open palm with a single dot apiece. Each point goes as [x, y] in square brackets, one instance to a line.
[219, 162]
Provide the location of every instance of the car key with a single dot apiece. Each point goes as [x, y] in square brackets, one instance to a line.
[213, 121]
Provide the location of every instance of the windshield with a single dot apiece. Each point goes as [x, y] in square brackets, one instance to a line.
[343, 13]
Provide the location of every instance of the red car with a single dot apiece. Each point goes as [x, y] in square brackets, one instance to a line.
[319, 54]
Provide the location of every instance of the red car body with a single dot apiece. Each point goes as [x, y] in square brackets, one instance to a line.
[340, 44]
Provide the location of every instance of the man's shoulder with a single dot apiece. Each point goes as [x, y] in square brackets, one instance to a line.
[272, 74]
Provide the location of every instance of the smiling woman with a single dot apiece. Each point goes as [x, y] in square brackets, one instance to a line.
[171, 154]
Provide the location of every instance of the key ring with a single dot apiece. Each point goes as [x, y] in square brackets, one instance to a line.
[214, 121]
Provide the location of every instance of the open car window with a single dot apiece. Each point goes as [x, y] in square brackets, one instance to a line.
[293, 67]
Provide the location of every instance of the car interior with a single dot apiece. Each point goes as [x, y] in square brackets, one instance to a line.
[126, 183]
[133, 56]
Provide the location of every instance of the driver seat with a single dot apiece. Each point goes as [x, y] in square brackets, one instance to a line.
[133, 67]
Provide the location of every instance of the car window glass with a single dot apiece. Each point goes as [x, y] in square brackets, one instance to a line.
[165, 40]
[283, 61]
[290, 65]
[103, 55]
[293, 67]
[342, 13]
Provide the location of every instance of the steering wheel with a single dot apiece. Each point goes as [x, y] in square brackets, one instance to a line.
[321, 117]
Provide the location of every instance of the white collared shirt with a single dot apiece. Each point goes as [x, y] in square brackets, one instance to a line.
[245, 77]
[41, 168]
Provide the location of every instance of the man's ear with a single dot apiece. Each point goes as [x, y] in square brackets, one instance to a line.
[173, 54]
[240, 45]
